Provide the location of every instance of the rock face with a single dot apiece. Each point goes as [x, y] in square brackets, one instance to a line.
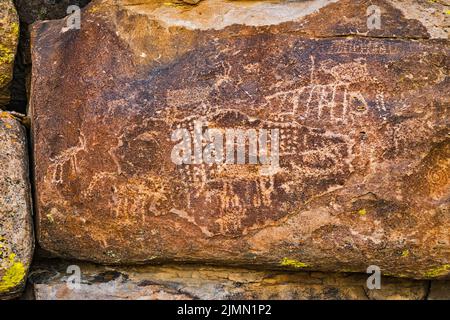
[52, 280]
[359, 117]
[16, 231]
[29, 12]
[9, 35]
[434, 15]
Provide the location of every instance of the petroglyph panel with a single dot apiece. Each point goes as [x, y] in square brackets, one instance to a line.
[358, 122]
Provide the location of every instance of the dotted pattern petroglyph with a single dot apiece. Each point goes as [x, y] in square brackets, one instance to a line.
[318, 111]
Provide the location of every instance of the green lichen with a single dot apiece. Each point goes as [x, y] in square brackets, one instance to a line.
[50, 218]
[362, 212]
[42, 13]
[177, 4]
[4, 79]
[13, 276]
[15, 29]
[94, 9]
[5, 115]
[405, 253]
[438, 271]
[2, 246]
[286, 262]
[6, 55]
[6, 60]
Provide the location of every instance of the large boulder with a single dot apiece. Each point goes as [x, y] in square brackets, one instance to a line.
[359, 116]
[9, 35]
[65, 280]
[16, 231]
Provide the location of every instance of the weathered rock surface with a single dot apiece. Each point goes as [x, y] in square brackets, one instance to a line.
[16, 231]
[49, 281]
[439, 290]
[29, 12]
[363, 176]
[9, 37]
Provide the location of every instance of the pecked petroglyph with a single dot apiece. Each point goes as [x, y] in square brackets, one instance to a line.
[234, 189]
[184, 97]
[68, 156]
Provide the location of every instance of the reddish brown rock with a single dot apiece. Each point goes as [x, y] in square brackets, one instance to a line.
[362, 121]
